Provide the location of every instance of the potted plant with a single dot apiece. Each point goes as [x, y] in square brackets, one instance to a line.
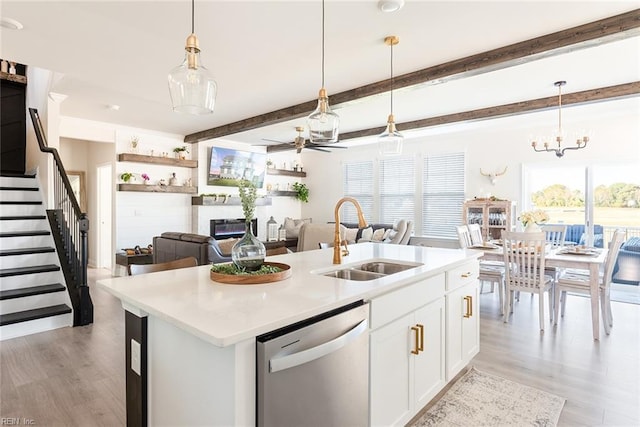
[126, 176]
[145, 178]
[302, 192]
[181, 152]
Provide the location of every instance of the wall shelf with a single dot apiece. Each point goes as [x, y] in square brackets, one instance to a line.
[157, 188]
[16, 78]
[285, 172]
[229, 201]
[157, 160]
[283, 193]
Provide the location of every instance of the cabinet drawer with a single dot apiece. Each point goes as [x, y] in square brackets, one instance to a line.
[462, 275]
[395, 304]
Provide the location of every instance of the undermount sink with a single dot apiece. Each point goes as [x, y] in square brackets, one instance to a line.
[385, 268]
[353, 274]
[370, 270]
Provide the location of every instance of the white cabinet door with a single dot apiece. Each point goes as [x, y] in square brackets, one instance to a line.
[390, 380]
[407, 364]
[429, 365]
[462, 326]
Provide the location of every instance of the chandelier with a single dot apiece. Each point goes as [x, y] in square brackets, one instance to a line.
[581, 140]
[191, 87]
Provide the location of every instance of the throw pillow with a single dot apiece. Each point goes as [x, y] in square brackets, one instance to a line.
[292, 226]
[367, 234]
[350, 235]
[378, 235]
[226, 245]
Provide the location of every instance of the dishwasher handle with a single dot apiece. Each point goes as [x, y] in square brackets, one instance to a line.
[313, 353]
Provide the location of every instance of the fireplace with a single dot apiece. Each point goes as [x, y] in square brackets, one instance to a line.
[230, 228]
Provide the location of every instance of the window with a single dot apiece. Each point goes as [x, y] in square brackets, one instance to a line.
[396, 180]
[443, 194]
[358, 183]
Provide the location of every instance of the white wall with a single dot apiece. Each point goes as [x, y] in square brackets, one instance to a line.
[490, 145]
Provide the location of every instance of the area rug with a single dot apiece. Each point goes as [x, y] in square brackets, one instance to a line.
[481, 399]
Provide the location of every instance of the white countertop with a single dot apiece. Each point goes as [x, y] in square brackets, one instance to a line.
[225, 314]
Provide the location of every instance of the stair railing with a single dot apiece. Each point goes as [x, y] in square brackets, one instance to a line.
[74, 230]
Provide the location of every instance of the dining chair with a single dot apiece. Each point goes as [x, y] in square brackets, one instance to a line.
[578, 281]
[135, 269]
[490, 271]
[476, 234]
[524, 253]
[554, 234]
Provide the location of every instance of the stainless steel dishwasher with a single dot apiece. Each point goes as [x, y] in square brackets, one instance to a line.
[315, 372]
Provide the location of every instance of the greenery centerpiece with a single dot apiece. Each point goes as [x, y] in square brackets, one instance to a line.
[248, 253]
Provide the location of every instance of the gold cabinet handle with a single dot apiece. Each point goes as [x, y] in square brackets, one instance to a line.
[416, 348]
[469, 311]
[465, 275]
[421, 346]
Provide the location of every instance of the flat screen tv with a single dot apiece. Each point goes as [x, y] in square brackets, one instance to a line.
[228, 167]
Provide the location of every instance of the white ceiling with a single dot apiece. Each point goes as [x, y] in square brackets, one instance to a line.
[265, 55]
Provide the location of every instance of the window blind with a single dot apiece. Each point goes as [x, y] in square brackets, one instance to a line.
[357, 181]
[396, 183]
[443, 194]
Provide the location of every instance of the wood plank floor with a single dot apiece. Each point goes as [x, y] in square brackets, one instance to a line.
[75, 376]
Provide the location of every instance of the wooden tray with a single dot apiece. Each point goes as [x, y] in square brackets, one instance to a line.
[249, 279]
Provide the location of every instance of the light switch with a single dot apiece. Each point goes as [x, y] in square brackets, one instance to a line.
[135, 356]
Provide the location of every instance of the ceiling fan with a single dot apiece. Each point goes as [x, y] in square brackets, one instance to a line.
[298, 143]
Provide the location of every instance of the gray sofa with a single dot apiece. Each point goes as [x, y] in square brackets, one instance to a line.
[170, 246]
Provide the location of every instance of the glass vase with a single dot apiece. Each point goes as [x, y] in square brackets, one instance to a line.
[248, 253]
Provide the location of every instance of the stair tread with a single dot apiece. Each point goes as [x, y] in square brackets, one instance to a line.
[21, 202]
[22, 217]
[18, 188]
[25, 233]
[34, 290]
[26, 251]
[16, 175]
[38, 313]
[6, 272]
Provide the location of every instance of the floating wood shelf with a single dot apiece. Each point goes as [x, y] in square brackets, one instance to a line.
[157, 188]
[157, 160]
[285, 172]
[283, 193]
[16, 78]
[229, 201]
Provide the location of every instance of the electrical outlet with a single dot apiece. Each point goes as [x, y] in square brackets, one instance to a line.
[135, 356]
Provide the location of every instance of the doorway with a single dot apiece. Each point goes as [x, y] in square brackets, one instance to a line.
[104, 216]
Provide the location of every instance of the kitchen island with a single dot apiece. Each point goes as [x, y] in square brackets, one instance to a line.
[191, 352]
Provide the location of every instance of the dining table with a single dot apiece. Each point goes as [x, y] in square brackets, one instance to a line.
[589, 259]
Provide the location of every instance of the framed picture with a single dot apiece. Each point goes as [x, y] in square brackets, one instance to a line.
[227, 167]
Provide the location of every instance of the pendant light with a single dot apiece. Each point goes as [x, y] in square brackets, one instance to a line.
[390, 141]
[191, 87]
[323, 123]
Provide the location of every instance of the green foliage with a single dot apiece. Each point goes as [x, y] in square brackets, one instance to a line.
[302, 190]
[179, 149]
[618, 195]
[248, 196]
[232, 269]
[126, 176]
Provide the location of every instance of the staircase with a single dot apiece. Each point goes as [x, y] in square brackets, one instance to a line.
[33, 293]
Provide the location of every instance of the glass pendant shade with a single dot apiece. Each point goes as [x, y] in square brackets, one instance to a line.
[390, 141]
[322, 122]
[191, 87]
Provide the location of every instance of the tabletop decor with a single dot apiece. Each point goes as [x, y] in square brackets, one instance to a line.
[145, 178]
[532, 219]
[248, 253]
[268, 272]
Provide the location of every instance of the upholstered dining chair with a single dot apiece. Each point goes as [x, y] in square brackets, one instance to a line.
[135, 269]
[492, 272]
[524, 253]
[578, 281]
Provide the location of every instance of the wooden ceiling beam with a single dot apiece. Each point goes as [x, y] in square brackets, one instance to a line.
[595, 33]
[621, 91]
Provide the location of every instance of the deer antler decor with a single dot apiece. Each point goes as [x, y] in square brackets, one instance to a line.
[493, 177]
